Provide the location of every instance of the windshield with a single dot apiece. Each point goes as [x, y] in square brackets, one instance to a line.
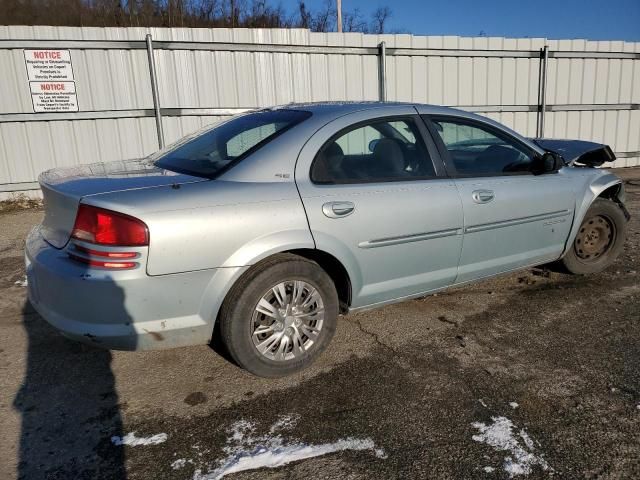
[212, 152]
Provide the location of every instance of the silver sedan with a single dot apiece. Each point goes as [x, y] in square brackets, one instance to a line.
[271, 224]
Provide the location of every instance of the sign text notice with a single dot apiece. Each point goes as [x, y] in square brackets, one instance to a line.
[51, 80]
[54, 96]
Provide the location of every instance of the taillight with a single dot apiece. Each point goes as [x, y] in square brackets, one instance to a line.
[104, 227]
[103, 253]
[103, 264]
[101, 227]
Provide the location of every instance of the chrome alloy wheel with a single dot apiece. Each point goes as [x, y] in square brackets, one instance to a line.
[287, 320]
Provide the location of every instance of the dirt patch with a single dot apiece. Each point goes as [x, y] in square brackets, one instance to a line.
[19, 202]
[195, 398]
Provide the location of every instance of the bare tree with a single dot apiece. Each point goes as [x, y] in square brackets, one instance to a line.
[324, 19]
[183, 13]
[354, 21]
[306, 17]
[380, 17]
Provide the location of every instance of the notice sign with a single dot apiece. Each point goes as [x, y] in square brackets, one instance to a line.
[51, 81]
[54, 96]
[48, 65]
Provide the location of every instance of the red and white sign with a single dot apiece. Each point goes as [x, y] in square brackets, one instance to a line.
[54, 96]
[48, 65]
[51, 81]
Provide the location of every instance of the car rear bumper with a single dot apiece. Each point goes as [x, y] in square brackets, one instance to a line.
[123, 310]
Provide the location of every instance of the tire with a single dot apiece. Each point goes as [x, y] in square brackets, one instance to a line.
[593, 252]
[287, 283]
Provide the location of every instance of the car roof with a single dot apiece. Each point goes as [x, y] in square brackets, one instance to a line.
[336, 109]
[342, 107]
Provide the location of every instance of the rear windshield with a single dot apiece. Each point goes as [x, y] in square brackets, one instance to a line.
[216, 150]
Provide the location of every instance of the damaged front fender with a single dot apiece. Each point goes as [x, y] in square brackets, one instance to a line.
[606, 185]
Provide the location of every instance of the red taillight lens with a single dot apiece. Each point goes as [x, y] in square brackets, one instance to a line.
[102, 253]
[104, 227]
[100, 263]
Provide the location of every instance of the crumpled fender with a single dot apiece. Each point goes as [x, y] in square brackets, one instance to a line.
[596, 188]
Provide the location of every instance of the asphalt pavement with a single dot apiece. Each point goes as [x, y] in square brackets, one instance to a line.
[530, 375]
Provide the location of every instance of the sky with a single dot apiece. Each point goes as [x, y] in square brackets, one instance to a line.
[552, 19]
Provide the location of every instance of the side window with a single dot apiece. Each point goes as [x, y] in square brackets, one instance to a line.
[476, 150]
[379, 151]
[249, 138]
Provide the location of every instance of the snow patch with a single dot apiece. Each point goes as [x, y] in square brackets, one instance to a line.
[180, 463]
[133, 441]
[22, 283]
[380, 453]
[274, 455]
[514, 405]
[489, 469]
[285, 422]
[500, 435]
[482, 403]
[246, 451]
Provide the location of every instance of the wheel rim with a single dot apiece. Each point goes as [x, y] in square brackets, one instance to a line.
[595, 238]
[287, 320]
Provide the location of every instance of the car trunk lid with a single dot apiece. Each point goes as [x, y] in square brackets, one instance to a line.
[63, 188]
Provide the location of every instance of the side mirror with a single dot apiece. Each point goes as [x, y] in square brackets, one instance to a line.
[549, 162]
[372, 144]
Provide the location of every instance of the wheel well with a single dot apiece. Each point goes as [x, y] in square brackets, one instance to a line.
[334, 269]
[615, 193]
[611, 192]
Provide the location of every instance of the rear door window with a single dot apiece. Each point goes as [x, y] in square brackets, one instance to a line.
[376, 151]
[217, 149]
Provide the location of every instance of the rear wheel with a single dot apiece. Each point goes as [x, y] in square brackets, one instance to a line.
[600, 239]
[279, 316]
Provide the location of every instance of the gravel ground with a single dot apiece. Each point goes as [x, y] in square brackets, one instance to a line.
[533, 374]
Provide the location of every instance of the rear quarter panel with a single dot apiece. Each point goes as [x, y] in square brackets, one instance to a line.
[215, 224]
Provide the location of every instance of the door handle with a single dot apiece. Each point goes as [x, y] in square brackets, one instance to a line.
[338, 209]
[482, 196]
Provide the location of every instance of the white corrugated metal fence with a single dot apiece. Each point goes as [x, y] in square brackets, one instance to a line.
[592, 88]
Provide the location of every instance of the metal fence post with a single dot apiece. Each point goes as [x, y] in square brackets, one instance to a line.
[542, 92]
[154, 91]
[382, 70]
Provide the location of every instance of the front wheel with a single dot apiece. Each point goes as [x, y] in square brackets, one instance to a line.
[279, 316]
[600, 239]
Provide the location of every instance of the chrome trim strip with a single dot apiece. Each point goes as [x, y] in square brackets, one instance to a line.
[516, 221]
[553, 222]
[417, 237]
